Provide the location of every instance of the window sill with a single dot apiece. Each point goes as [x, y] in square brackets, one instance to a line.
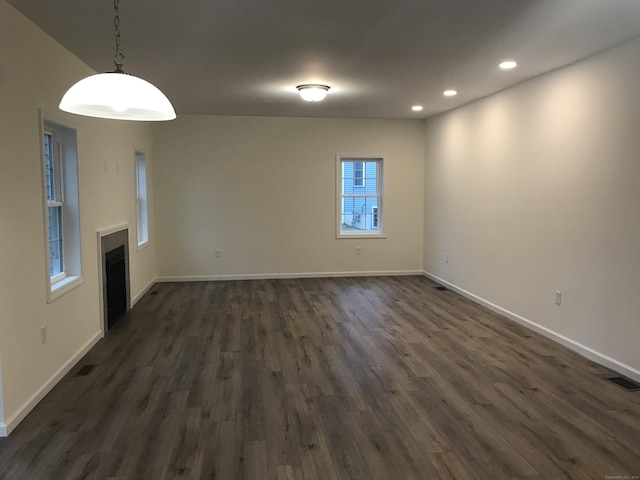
[143, 245]
[64, 286]
[360, 235]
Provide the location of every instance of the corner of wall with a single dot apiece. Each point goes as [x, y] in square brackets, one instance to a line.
[142, 293]
[589, 353]
[11, 423]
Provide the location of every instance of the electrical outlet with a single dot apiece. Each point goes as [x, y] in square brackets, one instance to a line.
[558, 297]
[218, 253]
[357, 250]
[43, 334]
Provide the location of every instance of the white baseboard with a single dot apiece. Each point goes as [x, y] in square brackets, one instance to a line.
[275, 276]
[23, 411]
[577, 347]
[137, 298]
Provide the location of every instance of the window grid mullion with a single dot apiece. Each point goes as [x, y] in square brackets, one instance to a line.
[360, 195]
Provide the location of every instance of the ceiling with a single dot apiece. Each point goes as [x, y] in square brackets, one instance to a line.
[380, 57]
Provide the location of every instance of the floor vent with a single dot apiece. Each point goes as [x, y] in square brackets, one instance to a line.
[628, 385]
[153, 293]
[85, 370]
[441, 288]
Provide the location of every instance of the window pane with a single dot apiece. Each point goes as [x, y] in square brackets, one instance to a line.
[55, 240]
[141, 198]
[348, 207]
[360, 197]
[358, 174]
[49, 169]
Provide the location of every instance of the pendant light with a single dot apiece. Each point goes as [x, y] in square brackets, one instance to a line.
[117, 95]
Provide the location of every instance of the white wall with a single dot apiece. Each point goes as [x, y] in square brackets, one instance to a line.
[263, 191]
[35, 72]
[537, 189]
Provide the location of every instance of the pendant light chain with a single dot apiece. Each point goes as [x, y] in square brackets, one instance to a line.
[118, 58]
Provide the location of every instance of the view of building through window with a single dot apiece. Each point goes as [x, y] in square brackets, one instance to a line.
[360, 195]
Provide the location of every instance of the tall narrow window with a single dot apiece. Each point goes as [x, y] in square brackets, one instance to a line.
[142, 208]
[359, 202]
[62, 212]
[53, 174]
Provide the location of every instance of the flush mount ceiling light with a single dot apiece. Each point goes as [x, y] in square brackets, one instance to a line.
[313, 92]
[508, 65]
[117, 95]
[449, 93]
[417, 108]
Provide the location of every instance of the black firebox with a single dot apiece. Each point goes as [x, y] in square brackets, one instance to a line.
[116, 285]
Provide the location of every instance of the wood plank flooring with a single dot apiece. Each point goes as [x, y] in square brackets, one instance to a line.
[326, 379]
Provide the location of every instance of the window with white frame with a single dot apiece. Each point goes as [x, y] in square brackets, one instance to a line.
[61, 203]
[359, 202]
[142, 208]
[54, 197]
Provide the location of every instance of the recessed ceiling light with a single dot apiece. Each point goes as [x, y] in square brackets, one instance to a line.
[508, 65]
[449, 93]
[417, 108]
[313, 92]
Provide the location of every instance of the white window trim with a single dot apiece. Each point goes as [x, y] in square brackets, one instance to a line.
[58, 278]
[380, 188]
[64, 283]
[143, 245]
[60, 288]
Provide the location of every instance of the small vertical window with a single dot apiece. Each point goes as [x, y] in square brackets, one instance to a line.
[62, 209]
[359, 202]
[142, 209]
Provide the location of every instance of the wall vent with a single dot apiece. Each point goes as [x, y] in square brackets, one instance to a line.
[85, 370]
[628, 385]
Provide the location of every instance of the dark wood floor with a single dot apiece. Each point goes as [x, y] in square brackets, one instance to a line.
[325, 379]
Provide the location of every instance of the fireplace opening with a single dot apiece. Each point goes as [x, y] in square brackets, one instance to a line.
[116, 285]
[113, 244]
